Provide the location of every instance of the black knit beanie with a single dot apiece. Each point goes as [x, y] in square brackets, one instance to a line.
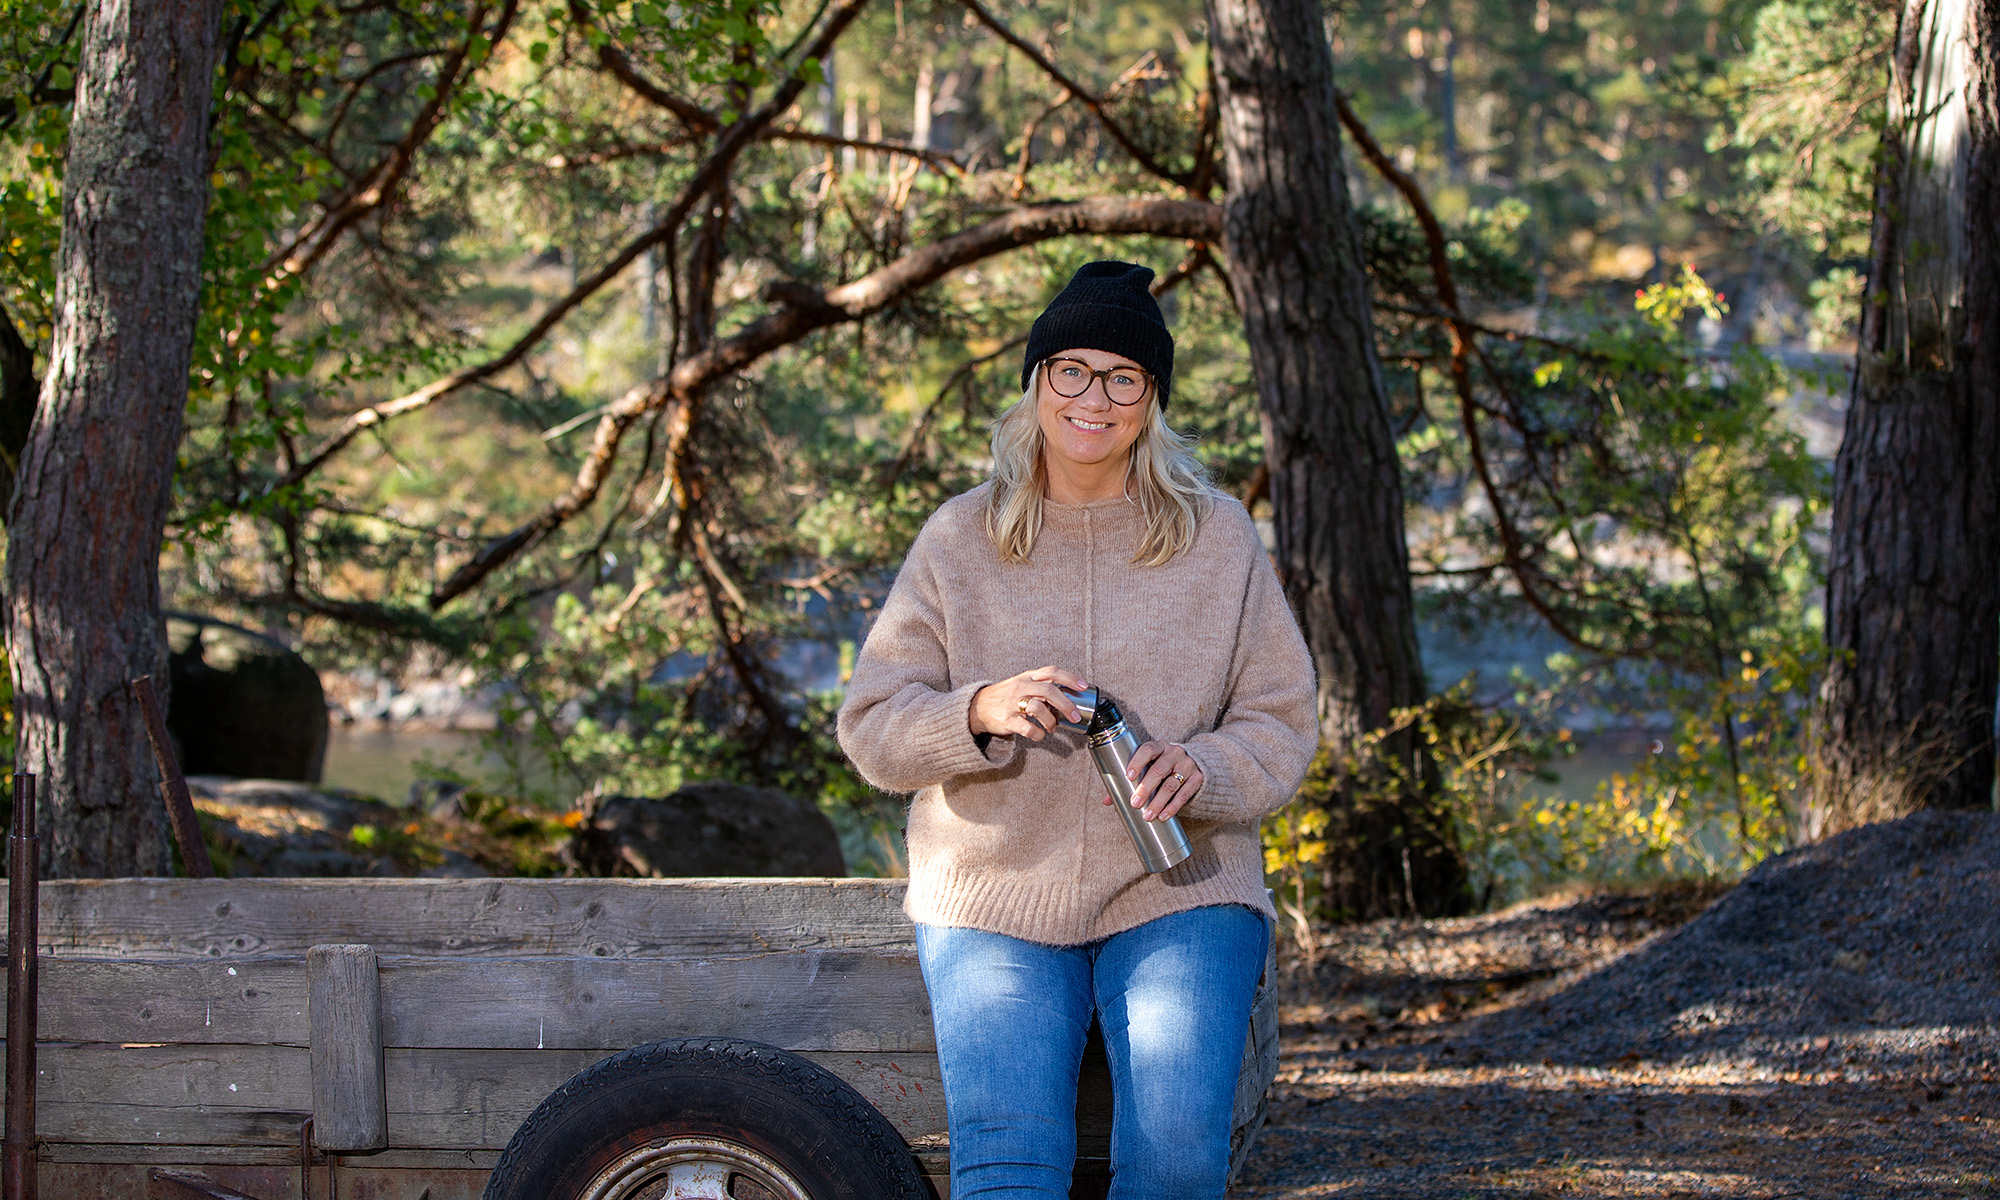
[1105, 307]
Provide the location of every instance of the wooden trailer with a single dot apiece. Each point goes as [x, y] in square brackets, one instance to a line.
[385, 1039]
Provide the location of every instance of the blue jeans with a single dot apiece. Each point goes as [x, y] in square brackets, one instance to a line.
[1173, 998]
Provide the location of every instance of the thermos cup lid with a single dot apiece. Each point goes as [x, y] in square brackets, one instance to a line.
[1086, 700]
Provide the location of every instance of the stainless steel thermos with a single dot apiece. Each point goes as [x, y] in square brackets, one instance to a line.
[1161, 844]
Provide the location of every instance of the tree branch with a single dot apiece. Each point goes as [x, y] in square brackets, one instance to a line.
[1094, 103]
[378, 188]
[1511, 544]
[719, 161]
[693, 118]
[803, 310]
[936, 158]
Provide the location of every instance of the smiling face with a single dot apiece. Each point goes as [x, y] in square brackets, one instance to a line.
[1087, 438]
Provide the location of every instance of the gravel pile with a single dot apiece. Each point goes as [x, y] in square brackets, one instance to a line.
[1877, 951]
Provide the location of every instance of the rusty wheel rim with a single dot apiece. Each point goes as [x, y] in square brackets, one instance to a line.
[694, 1168]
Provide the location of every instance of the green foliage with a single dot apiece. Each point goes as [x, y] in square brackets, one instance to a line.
[1808, 102]
[1662, 506]
[1487, 776]
[1659, 505]
[1721, 799]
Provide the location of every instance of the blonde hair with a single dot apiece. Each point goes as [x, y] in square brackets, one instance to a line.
[1162, 476]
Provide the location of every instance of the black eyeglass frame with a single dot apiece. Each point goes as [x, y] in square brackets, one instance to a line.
[1095, 376]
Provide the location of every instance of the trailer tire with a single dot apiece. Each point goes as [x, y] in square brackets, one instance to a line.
[724, 1117]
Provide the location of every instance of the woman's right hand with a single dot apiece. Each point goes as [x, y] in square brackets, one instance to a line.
[1027, 705]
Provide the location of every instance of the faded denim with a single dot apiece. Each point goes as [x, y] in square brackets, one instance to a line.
[1173, 997]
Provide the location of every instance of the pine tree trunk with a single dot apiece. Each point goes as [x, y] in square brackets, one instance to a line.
[1295, 261]
[83, 548]
[1913, 593]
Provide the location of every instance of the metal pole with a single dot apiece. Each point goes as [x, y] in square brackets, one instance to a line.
[17, 1159]
[173, 786]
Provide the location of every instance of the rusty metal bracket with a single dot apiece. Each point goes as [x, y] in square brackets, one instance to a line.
[176, 1185]
[24, 865]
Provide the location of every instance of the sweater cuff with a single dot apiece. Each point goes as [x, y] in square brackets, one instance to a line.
[1217, 801]
[942, 734]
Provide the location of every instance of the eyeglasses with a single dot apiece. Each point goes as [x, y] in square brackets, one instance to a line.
[1070, 378]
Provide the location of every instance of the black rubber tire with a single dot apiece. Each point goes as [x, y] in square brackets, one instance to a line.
[787, 1108]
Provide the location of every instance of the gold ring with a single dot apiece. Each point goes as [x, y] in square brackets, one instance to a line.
[1180, 777]
[1023, 706]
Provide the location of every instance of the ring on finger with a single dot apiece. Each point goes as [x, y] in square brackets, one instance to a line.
[1022, 706]
[1179, 778]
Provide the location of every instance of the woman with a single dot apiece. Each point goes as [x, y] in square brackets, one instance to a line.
[1096, 556]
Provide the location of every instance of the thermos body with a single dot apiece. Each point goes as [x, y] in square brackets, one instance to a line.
[1161, 844]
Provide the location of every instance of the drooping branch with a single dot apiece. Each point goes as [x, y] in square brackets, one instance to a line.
[727, 148]
[696, 120]
[624, 150]
[802, 310]
[920, 433]
[1084, 96]
[1511, 545]
[379, 186]
[935, 158]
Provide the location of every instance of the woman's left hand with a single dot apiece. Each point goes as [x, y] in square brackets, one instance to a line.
[1167, 779]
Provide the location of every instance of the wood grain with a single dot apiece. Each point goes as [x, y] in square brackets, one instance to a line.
[831, 1000]
[345, 991]
[434, 1099]
[595, 918]
[243, 1001]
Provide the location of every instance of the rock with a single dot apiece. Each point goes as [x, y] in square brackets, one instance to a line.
[242, 704]
[455, 866]
[267, 827]
[439, 799]
[709, 828]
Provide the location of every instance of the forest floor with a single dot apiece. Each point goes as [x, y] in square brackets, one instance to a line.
[1829, 1029]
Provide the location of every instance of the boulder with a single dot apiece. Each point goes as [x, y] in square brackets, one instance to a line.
[271, 828]
[242, 704]
[709, 828]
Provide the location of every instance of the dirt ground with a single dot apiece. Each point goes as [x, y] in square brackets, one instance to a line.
[1768, 1056]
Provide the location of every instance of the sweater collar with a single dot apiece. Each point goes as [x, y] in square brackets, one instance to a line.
[1106, 516]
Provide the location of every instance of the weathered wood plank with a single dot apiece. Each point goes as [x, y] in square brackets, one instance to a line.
[172, 1095]
[475, 1099]
[253, 1156]
[599, 918]
[346, 1006]
[832, 1000]
[819, 1000]
[250, 1001]
[471, 1099]
[905, 1088]
[358, 1180]
[435, 1099]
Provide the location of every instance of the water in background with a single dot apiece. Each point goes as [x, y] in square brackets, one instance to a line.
[385, 761]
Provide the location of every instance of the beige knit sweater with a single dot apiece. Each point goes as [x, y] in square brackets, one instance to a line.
[1203, 651]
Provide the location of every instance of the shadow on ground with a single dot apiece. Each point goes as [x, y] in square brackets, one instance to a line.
[1826, 1029]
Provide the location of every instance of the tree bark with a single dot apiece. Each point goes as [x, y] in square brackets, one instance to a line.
[1913, 591]
[1295, 262]
[83, 590]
